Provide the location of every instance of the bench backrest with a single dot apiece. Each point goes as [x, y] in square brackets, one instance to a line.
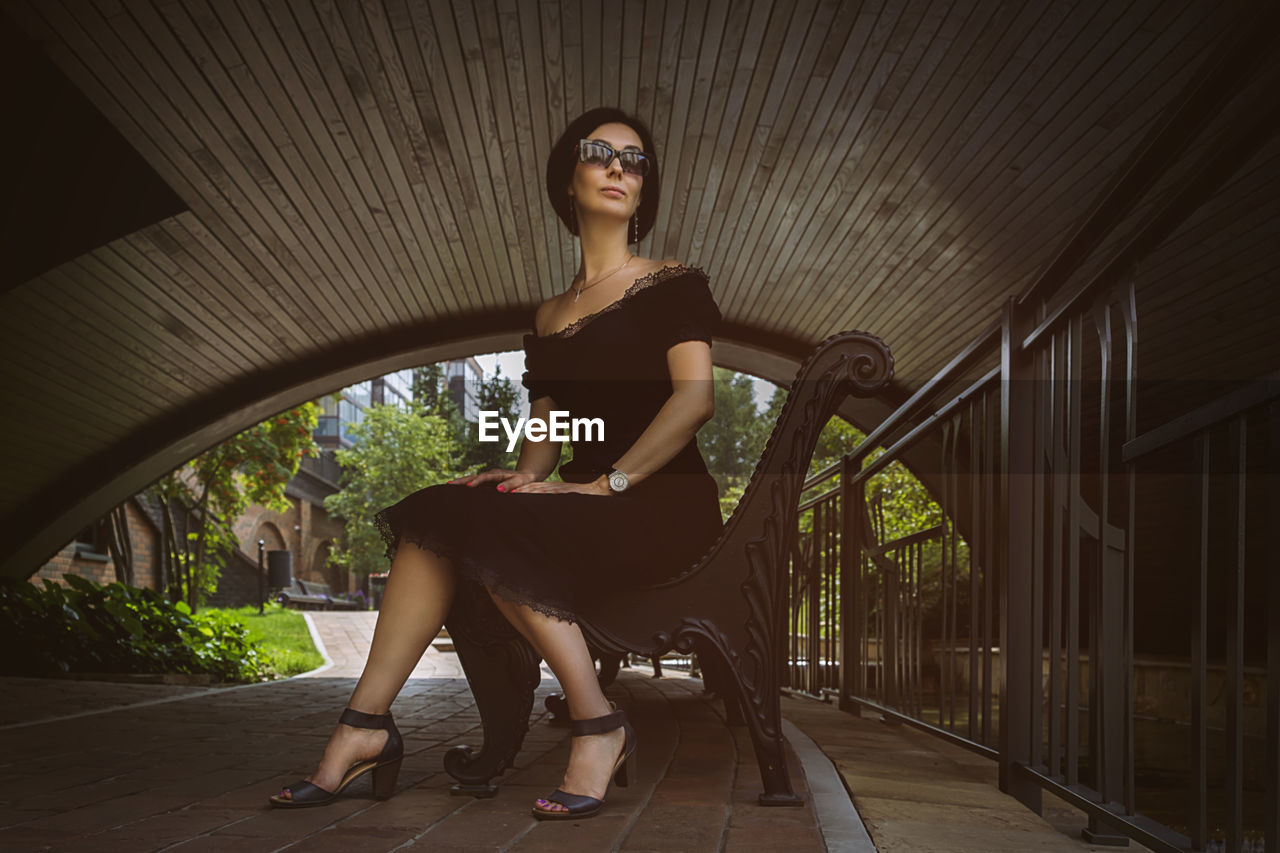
[753, 551]
[317, 588]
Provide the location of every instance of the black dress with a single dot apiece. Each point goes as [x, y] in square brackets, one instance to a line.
[553, 552]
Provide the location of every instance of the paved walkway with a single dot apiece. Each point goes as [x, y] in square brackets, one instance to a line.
[102, 766]
[916, 792]
[190, 769]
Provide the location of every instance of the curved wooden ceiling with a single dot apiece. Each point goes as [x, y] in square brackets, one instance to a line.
[364, 184]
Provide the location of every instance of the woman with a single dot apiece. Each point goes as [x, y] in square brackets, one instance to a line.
[629, 343]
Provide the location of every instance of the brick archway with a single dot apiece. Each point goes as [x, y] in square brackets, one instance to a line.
[271, 535]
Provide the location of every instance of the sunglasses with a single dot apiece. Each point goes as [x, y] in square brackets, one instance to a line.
[602, 153]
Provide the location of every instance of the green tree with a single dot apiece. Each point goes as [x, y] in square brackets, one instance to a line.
[218, 485]
[425, 387]
[728, 441]
[498, 394]
[397, 452]
[906, 504]
[733, 441]
[899, 503]
[733, 447]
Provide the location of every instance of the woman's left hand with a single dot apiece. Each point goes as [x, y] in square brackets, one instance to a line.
[549, 488]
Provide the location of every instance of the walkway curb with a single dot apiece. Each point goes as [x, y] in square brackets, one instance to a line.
[319, 644]
[838, 820]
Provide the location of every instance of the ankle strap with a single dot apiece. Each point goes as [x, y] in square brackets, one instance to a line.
[599, 725]
[361, 720]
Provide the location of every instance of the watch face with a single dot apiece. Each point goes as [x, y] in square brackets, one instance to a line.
[617, 481]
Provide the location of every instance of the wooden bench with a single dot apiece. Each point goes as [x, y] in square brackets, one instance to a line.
[310, 594]
[729, 608]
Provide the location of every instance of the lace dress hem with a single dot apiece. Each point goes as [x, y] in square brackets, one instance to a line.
[533, 599]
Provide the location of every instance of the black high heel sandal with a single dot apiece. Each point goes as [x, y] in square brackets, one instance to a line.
[580, 806]
[385, 768]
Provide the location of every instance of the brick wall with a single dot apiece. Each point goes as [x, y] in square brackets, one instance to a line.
[145, 541]
[237, 585]
[305, 529]
[95, 564]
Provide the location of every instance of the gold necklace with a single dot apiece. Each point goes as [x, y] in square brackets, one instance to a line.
[601, 278]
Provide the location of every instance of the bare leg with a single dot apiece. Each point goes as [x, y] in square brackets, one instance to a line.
[419, 592]
[563, 647]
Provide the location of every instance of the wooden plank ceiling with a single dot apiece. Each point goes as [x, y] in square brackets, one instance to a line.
[364, 184]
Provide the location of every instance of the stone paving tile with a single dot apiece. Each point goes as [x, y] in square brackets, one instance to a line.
[22, 838]
[156, 831]
[343, 839]
[251, 795]
[497, 821]
[55, 697]
[109, 813]
[671, 826]
[689, 808]
[219, 843]
[413, 810]
[598, 833]
[753, 827]
[291, 824]
[85, 795]
[12, 816]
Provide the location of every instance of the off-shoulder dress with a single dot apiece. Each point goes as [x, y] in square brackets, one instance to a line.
[554, 552]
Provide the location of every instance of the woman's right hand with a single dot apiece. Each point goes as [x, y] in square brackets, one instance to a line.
[504, 478]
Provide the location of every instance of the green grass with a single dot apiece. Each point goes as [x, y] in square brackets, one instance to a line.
[283, 635]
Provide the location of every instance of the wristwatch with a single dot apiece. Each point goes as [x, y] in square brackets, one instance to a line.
[618, 481]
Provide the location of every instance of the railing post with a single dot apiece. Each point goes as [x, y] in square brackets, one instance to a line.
[851, 663]
[813, 625]
[890, 636]
[1108, 664]
[1271, 763]
[1019, 648]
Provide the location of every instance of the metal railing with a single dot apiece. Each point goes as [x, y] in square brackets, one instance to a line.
[1008, 627]
[813, 663]
[324, 466]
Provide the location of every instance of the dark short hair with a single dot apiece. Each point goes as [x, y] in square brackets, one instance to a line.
[564, 159]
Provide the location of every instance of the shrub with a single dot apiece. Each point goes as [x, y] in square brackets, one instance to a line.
[85, 627]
